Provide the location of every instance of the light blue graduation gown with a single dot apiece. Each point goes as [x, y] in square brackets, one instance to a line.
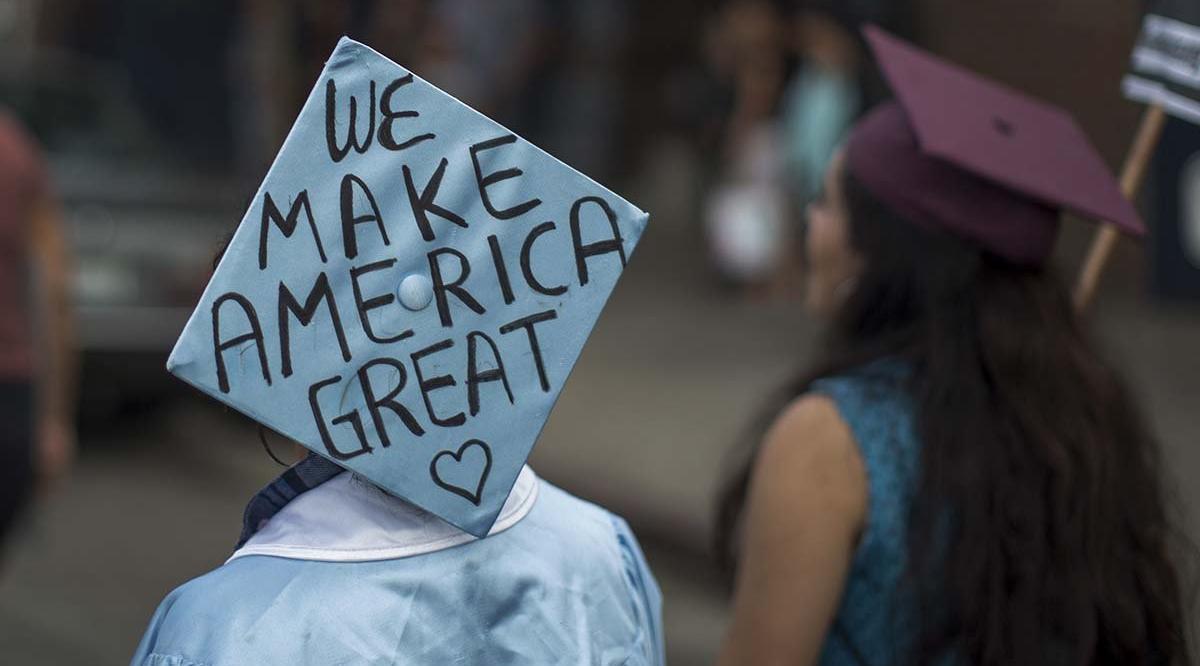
[345, 574]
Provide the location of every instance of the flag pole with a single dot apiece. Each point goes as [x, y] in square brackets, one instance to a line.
[1132, 174]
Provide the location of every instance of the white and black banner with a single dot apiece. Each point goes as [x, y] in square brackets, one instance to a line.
[1165, 67]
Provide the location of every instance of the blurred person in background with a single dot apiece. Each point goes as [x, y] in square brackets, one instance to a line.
[577, 105]
[960, 478]
[746, 212]
[831, 82]
[798, 77]
[822, 97]
[546, 73]
[37, 364]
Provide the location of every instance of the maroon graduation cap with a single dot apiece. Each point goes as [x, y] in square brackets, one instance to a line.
[958, 152]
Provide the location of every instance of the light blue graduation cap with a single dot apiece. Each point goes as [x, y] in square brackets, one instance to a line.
[409, 289]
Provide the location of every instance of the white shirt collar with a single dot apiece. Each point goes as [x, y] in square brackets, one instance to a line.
[347, 519]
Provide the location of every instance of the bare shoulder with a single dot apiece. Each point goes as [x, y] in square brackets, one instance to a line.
[807, 506]
[811, 430]
[811, 412]
[810, 454]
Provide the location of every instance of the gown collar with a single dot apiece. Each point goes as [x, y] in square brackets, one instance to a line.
[347, 519]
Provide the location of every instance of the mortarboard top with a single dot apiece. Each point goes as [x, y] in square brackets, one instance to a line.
[409, 289]
[978, 159]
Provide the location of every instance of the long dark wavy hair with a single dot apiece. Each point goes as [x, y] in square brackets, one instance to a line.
[1060, 549]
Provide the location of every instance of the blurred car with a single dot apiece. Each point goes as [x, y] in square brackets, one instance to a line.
[143, 225]
[143, 243]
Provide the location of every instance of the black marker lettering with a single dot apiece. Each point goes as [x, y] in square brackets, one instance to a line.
[386, 138]
[501, 270]
[423, 202]
[288, 305]
[376, 405]
[350, 222]
[475, 377]
[432, 384]
[526, 262]
[336, 153]
[495, 177]
[582, 251]
[255, 335]
[351, 418]
[287, 225]
[528, 323]
[364, 306]
[441, 287]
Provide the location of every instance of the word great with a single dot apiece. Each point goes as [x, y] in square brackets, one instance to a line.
[476, 375]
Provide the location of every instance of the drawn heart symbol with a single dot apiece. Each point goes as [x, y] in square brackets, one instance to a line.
[453, 469]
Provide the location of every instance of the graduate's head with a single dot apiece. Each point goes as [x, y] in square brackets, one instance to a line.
[953, 156]
[861, 251]
[897, 235]
[359, 320]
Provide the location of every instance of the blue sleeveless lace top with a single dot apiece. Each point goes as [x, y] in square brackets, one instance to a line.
[874, 626]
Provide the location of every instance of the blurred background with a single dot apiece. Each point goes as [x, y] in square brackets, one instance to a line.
[156, 120]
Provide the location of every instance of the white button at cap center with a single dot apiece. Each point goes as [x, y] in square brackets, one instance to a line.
[415, 292]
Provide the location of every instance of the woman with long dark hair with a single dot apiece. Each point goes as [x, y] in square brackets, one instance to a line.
[961, 478]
